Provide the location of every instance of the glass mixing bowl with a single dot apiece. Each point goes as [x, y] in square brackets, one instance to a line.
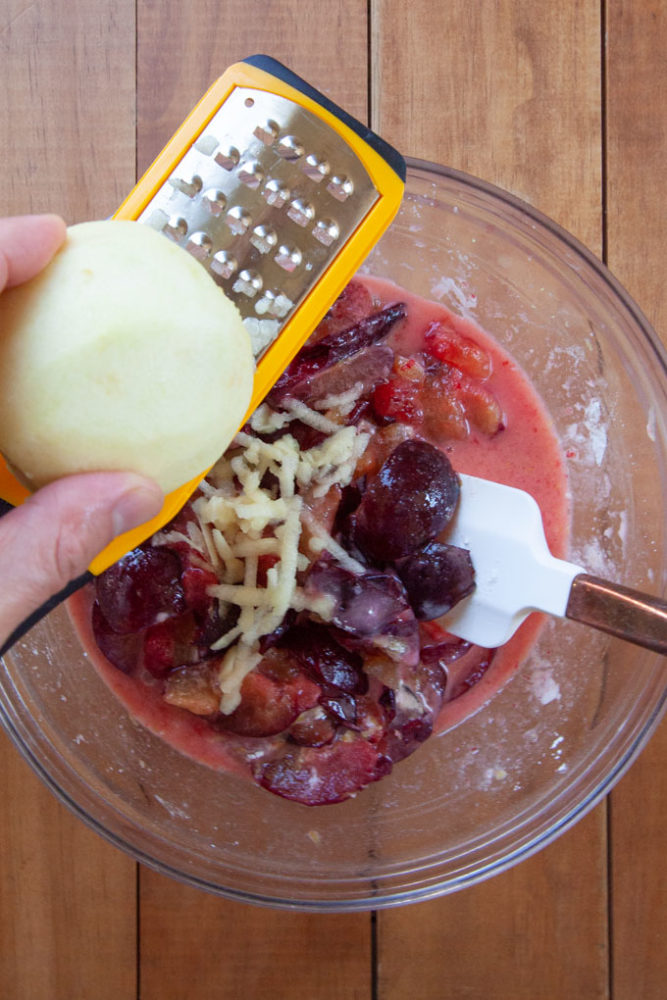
[499, 786]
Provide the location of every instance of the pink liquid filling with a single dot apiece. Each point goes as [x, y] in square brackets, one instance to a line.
[524, 453]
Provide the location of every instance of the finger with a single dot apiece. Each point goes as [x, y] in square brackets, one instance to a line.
[27, 244]
[52, 538]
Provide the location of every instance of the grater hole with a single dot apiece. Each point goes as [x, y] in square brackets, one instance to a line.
[200, 246]
[215, 201]
[238, 220]
[266, 304]
[275, 193]
[251, 174]
[281, 305]
[264, 238]
[290, 148]
[262, 333]
[158, 219]
[326, 231]
[248, 283]
[224, 264]
[273, 304]
[206, 144]
[189, 188]
[340, 187]
[316, 168]
[176, 228]
[301, 212]
[288, 257]
[228, 157]
[267, 133]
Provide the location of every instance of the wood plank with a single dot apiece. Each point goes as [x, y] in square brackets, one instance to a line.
[636, 121]
[67, 899]
[260, 953]
[508, 91]
[638, 816]
[67, 147]
[195, 946]
[536, 932]
[637, 248]
[180, 54]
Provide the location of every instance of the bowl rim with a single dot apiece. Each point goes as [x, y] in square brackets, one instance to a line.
[524, 208]
[350, 905]
[531, 845]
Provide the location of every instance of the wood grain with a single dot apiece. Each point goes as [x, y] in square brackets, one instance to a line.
[636, 152]
[508, 91]
[511, 91]
[637, 250]
[67, 899]
[182, 49]
[261, 953]
[67, 147]
[536, 932]
[198, 946]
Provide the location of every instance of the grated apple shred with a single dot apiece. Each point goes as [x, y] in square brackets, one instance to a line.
[238, 521]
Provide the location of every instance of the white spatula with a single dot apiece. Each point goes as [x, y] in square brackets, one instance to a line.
[515, 574]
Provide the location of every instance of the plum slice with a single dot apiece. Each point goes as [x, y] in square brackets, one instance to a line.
[170, 643]
[296, 380]
[444, 342]
[414, 708]
[370, 612]
[332, 666]
[365, 368]
[141, 589]
[363, 604]
[193, 689]
[313, 728]
[411, 499]
[436, 577]
[353, 303]
[318, 776]
[122, 650]
[273, 696]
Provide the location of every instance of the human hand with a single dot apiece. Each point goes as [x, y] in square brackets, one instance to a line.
[51, 538]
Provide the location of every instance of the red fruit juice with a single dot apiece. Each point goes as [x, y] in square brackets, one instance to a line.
[526, 454]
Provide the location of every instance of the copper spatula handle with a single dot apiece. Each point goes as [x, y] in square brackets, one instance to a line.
[623, 612]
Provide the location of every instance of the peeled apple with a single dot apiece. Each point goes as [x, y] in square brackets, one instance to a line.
[122, 354]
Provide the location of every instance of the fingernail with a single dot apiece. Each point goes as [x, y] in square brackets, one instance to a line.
[135, 507]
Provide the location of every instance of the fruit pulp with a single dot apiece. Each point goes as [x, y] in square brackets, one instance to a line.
[328, 704]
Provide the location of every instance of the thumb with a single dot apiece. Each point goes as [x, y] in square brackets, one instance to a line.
[56, 533]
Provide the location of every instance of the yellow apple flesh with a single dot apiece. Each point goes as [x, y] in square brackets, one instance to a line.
[122, 354]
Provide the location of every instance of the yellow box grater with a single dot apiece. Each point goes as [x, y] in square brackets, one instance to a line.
[280, 194]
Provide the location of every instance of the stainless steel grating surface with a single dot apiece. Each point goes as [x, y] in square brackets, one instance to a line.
[265, 199]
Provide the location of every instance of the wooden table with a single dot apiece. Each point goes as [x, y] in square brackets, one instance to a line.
[562, 103]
